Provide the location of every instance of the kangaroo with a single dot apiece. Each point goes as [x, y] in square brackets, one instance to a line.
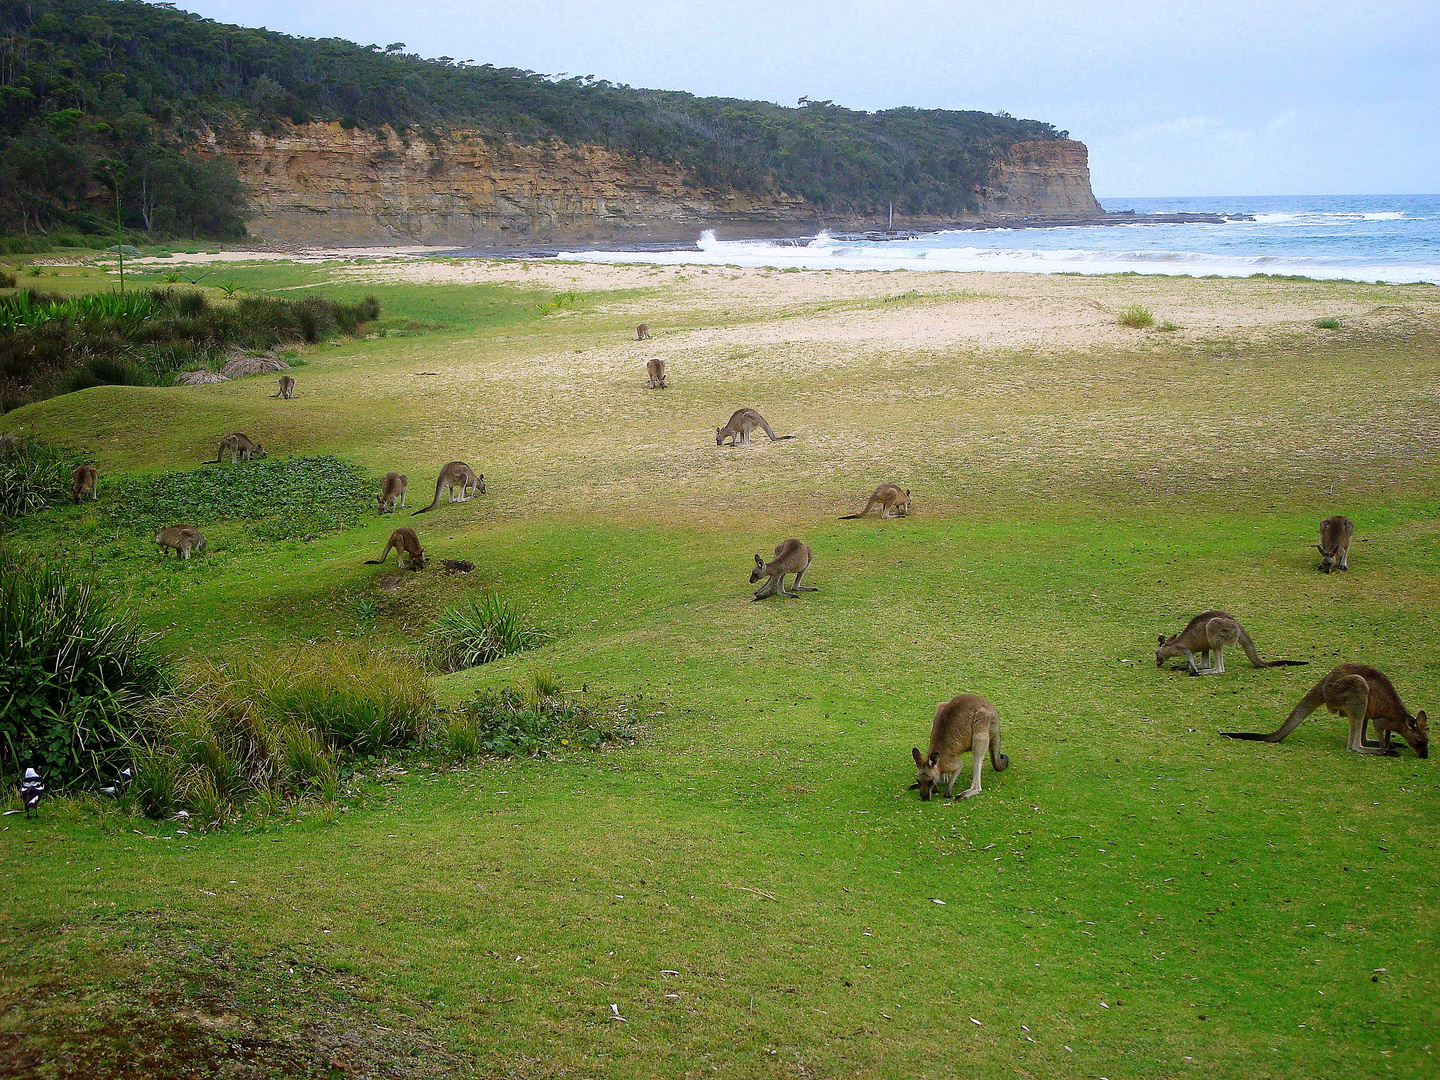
[655, 372]
[392, 491]
[888, 497]
[408, 552]
[181, 539]
[456, 474]
[1334, 546]
[1212, 631]
[239, 447]
[1362, 695]
[965, 722]
[287, 387]
[791, 557]
[741, 424]
[85, 481]
[642, 332]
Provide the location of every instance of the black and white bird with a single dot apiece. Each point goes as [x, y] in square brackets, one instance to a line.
[121, 783]
[31, 788]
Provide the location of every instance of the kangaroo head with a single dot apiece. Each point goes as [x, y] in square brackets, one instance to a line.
[927, 773]
[1164, 653]
[380, 503]
[1417, 734]
[719, 436]
[759, 571]
[258, 452]
[418, 561]
[480, 483]
[905, 506]
[1327, 557]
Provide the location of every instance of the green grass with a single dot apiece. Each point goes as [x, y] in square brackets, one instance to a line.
[1327, 324]
[755, 853]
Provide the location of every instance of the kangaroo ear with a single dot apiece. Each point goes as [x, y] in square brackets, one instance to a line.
[1162, 639]
[933, 758]
[1420, 717]
[913, 786]
[759, 561]
[907, 492]
[915, 753]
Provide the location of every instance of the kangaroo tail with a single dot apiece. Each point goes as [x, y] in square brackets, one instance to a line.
[440, 483]
[851, 517]
[862, 513]
[383, 556]
[771, 431]
[1308, 704]
[1254, 656]
[998, 761]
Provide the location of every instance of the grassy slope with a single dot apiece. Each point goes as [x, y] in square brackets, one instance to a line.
[1129, 874]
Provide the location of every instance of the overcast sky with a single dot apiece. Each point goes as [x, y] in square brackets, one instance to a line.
[1213, 97]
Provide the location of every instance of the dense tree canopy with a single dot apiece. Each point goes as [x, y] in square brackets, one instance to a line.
[89, 87]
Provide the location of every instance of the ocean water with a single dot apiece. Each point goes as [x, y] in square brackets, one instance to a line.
[1391, 238]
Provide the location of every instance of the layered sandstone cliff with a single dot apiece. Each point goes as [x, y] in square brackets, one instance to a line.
[324, 184]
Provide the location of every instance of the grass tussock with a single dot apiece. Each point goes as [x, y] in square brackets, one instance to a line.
[296, 499]
[481, 632]
[273, 726]
[54, 344]
[33, 475]
[75, 675]
[1136, 316]
[537, 716]
[1327, 324]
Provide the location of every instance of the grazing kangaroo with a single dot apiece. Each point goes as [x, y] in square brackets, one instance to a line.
[741, 424]
[287, 387]
[408, 552]
[1212, 631]
[1334, 547]
[655, 372]
[239, 447]
[965, 722]
[85, 481]
[888, 497]
[392, 492]
[456, 474]
[1362, 695]
[642, 332]
[791, 557]
[181, 539]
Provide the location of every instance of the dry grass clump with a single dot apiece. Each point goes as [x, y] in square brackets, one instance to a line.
[275, 725]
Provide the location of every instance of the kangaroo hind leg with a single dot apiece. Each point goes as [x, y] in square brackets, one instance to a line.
[1349, 698]
[981, 747]
[802, 588]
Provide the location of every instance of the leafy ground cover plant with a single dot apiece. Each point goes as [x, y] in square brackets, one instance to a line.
[537, 717]
[294, 499]
[75, 675]
[483, 631]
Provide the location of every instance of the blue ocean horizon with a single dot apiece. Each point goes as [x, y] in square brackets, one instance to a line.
[1387, 238]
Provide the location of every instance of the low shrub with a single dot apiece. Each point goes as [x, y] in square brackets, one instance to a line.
[515, 721]
[296, 499]
[33, 475]
[481, 632]
[1136, 316]
[52, 344]
[1168, 327]
[75, 675]
[1328, 324]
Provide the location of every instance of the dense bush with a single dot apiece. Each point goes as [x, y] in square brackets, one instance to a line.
[536, 718]
[33, 475]
[75, 676]
[481, 631]
[53, 344]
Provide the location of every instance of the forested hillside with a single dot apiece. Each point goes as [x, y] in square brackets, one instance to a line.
[92, 88]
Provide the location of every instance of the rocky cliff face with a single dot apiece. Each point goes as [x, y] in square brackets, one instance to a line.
[323, 184]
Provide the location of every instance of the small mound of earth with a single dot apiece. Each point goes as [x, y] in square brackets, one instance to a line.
[199, 378]
[241, 366]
